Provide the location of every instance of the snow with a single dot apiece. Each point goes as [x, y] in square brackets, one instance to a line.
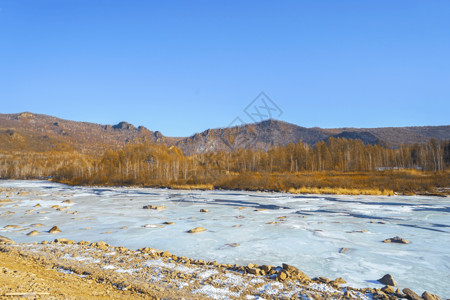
[316, 227]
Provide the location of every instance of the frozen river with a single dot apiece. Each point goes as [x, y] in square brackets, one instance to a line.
[308, 233]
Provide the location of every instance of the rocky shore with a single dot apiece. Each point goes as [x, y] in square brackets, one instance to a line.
[155, 274]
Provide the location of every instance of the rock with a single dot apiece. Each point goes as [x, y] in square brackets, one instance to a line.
[68, 202]
[254, 271]
[296, 273]
[411, 295]
[197, 229]
[339, 280]
[204, 210]
[428, 296]
[55, 206]
[387, 279]
[396, 239]
[342, 250]
[272, 223]
[123, 227]
[37, 205]
[155, 207]
[237, 225]
[54, 230]
[322, 279]
[266, 268]
[37, 225]
[100, 245]
[232, 244]
[282, 276]
[168, 223]
[64, 241]
[166, 254]
[34, 232]
[6, 241]
[12, 226]
[388, 289]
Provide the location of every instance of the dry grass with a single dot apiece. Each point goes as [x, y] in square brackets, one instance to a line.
[340, 191]
[192, 187]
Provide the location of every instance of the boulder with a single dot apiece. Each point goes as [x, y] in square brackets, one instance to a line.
[204, 210]
[388, 289]
[54, 230]
[396, 239]
[197, 229]
[64, 241]
[34, 232]
[5, 241]
[155, 207]
[296, 273]
[428, 296]
[282, 276]
[68, 202]
[411, 295]
[387, 279]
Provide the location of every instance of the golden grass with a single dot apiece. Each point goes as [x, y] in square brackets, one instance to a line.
[192, 187]
[340, 191]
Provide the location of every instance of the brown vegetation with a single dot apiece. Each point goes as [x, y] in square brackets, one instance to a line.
[338, 166]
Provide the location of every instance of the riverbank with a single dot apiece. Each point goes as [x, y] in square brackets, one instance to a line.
[63, 268]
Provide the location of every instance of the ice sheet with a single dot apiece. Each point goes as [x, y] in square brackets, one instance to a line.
[316, 227]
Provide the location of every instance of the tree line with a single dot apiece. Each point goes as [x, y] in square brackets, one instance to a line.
[154, 164]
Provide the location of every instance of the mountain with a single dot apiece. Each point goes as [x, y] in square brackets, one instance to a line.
[269, 133]
[41, 133]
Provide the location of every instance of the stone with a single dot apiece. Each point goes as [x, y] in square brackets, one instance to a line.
[282, 275]
[296, 273]
[254, 271]
[232, 244]
[168, 223]
[54, 230]
[197, 229]
[6, 241]
[428, 296]
[165, 254]
[339, 280]
[396, 239]
[388, 289]
[64, 241]
[155, 207]
[342, 250]
[68, 202]
[34, 232]
[387, 279]
[204, 210]
[37, 205]
[266, 268]
[411, 295]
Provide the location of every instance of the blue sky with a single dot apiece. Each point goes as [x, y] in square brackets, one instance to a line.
[184, 66]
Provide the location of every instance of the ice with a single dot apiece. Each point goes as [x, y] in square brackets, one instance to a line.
[316, 228]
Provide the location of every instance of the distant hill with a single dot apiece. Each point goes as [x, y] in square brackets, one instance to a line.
[28, 131]
[271, 133]
[42, 132]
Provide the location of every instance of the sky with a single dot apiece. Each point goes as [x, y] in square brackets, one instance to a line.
[181, 67]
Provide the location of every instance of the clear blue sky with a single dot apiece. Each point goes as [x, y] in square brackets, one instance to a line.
[184, 66]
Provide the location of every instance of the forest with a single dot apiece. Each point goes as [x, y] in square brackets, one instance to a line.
[338, 165]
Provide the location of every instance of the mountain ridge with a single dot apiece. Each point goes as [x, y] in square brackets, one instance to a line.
[44, 132]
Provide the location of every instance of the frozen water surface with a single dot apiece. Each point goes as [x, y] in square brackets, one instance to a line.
[310, 236]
